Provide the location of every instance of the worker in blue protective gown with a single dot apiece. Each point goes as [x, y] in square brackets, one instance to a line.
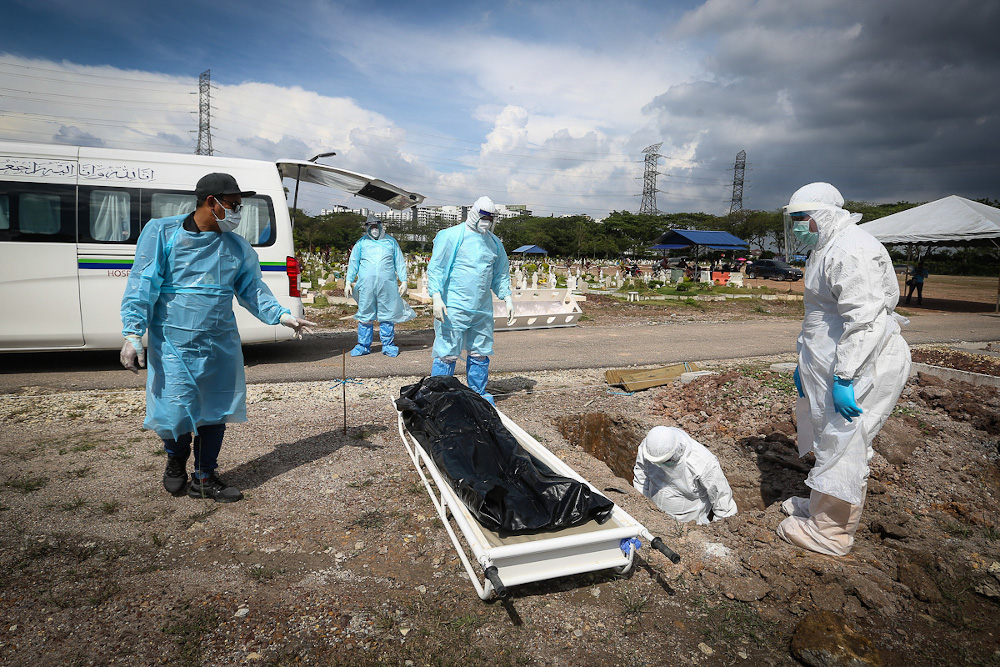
[467, 264]
[853, 364]
[180, 292]
[376, 264]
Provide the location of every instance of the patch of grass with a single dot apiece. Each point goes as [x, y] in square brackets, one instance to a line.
[198, 517]
[361, 485]
[27, 484]
[79, 473]
[955, 528]
[188, 631]
[991, 533]
[156, 539]
[415, 487]
[81, 552]
[584, 318]
[104, 592]
[632, 603]
[83, 447]
[110, 506]
[73, 505]
[739, 621]
[372, 519]
[158, 451]
[262, 573]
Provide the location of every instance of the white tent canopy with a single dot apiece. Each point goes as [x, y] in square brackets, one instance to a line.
[953, 220]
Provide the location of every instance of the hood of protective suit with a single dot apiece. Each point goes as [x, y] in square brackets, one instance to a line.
[665, 445]
[475, 220]
[825, 203]
[374, 228]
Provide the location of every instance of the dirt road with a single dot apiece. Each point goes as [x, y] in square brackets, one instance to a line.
[644, 338]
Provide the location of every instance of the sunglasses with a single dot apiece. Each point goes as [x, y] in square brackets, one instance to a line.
[235, 208]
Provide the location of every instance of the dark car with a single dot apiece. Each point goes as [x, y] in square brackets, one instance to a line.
[773, 268]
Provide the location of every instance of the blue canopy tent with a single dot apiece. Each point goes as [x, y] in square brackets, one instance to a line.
[530, 250]
[676, 239]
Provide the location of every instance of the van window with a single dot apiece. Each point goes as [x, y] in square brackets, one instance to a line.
[166, 204]
[110, 215]
[255, 221]
[33, 212]
[39, 214]
[256, 216]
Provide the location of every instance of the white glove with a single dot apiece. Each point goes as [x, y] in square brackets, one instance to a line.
[403, 288]
[298, 324]
[133, 353]
[509, 302]
[440, 310]
[347, 289]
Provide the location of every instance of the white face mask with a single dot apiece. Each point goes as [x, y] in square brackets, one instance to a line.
[229, 222]
[374, 232]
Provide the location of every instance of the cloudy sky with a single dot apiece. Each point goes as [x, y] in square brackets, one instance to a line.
[546, 103]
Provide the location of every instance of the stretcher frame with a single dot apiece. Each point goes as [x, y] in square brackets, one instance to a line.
[523, 559]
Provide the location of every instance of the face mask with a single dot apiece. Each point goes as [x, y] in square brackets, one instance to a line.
[375, 232]
[804, 236]
[228, 223]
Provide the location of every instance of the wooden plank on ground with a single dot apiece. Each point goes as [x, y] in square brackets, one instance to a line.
[638, 379]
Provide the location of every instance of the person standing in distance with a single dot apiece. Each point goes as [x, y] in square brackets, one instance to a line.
[180, 292]
[376, 263]
[853, 364]
[467, 264]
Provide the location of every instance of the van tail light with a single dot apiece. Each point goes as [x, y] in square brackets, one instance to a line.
[293, 271]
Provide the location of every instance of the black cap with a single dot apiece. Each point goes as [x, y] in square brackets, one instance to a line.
[219, 184]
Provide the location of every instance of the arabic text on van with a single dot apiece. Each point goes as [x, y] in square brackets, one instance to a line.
[61, 168]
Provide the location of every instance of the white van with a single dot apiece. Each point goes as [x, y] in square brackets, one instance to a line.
[70, 217]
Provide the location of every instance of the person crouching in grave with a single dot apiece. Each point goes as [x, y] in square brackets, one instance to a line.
[682, 477]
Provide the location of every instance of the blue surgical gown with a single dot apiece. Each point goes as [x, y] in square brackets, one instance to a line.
[181, 290]
[465, 267]
[377, 265]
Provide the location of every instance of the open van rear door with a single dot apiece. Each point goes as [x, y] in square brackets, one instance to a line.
[360, 185]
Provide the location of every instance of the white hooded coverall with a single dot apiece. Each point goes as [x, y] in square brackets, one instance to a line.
[692, 487]
[849, 331]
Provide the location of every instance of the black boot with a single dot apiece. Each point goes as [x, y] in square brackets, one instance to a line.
[175, 476]
[213, 488]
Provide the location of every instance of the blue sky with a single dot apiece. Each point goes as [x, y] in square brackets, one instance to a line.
[548, 104]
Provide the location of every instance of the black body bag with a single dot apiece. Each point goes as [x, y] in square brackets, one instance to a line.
[506, 488]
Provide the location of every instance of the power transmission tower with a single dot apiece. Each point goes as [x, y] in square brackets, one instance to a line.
[738, 171]
[204, 114]
[648, 205]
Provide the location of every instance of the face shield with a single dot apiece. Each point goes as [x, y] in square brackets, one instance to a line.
[800, 222]
[374, 230]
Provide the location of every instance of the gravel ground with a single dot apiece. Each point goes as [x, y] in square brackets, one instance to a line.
[336, 555]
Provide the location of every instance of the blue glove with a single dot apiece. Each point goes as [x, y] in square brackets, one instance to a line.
[798, 381]
[843, 398]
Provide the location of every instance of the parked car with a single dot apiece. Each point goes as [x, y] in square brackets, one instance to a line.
[772, 268]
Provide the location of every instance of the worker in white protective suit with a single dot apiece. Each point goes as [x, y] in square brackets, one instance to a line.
[376, 263]
[852, 366]
[467, 264]
[682, 477]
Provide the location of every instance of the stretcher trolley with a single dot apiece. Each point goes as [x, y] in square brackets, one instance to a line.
[521, 559]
